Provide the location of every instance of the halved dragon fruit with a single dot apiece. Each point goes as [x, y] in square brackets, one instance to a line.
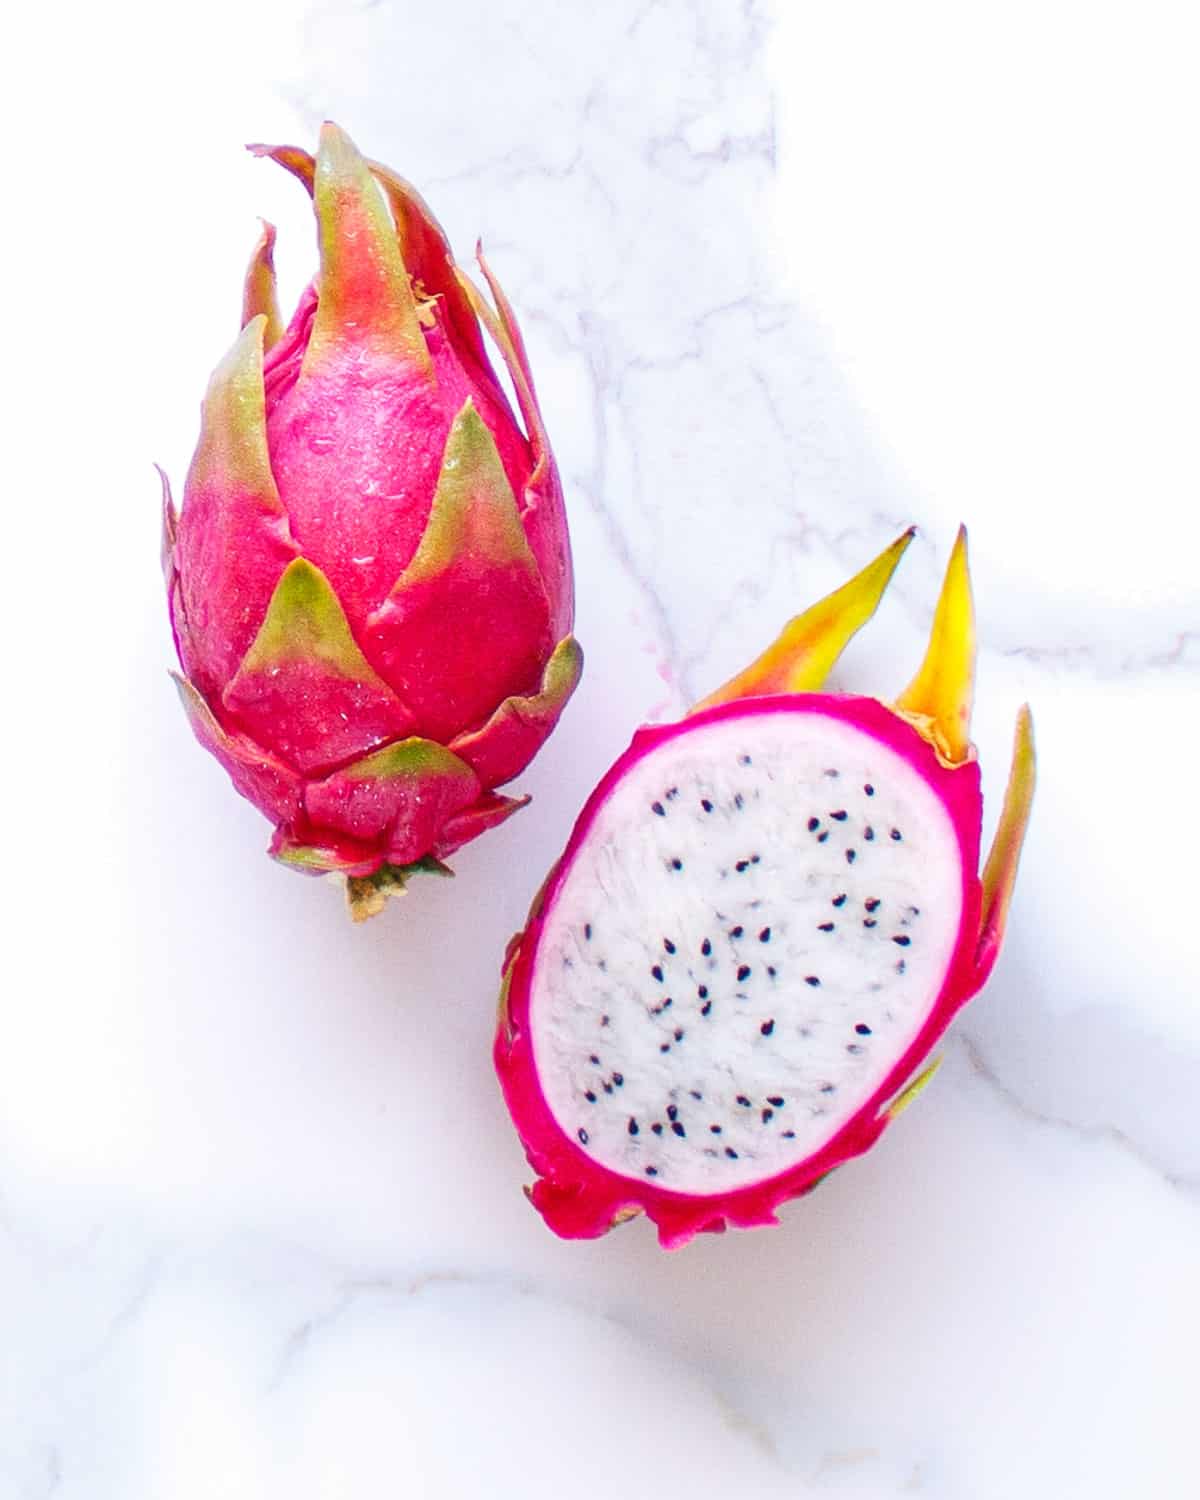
[764, 920]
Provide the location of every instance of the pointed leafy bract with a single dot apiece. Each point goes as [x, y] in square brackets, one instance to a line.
[258, 776]
[366, 301]
[323, 853]
[505, 745]
[304, 688]
[426, 253]
[542, 508]
[1000, 871]
[802, 657]
[170, 528]
[910, 1090]
[400, 796]
[490, 811]
[504, 330]
[938, 699]
[259, 295]
[233, 539]
[293, 159]
[467, 624]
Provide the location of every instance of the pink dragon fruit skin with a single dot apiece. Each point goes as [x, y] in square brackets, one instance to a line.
[701, 1037]
[370, 579]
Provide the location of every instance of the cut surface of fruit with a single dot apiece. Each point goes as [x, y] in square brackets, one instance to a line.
[749, 936]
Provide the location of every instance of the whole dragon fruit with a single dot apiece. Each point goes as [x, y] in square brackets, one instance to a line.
[764, 920]
[370, 577]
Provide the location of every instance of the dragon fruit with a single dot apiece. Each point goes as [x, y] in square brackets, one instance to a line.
[370, 578]
[764, 920]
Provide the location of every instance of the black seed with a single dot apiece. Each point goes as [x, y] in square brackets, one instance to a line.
[679, 1130]
[668, 945]
[897, 835]
[789, 1135]
[604, 1020]
[812, 979]
[665, 1047]
[839, 816]
[607, 1087]
[765, 935]
[870, 922]
[901, 966]
[731, 1153]
[619, 1079]
[672, 794]
[659, 809]
[743, 972]
[742, 866]
[706, 947]
[633, 1127]
[813, 824]
[590, 1097]
[587, 931]
[840, 900]
[872, 903]
[854, 1048]
[901, 941]
[679, 1034]
[695, 1093]
[672, 1111]
[825, 927]
[656, 970]
[651, 1171]
[703, 992]
[851, 856]
[869, 833]
[706, 804]
[863, 1029]
[767, 1028]
[743, 1101]
[716, 1129]
[583, 1136]
[832, 772]
[755, 859]
[677, 864]
[736, 932]
[739, 801]
[869, 789]
[821, 837]
[771, 970]
[829, 1088]
[743, 760]
[706, 1007]
[767, 1115]
[657, 1127]
[776, 1100]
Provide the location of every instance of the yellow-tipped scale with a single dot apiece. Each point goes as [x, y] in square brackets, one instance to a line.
[1000, 872]
[938, 699]
[804, 653]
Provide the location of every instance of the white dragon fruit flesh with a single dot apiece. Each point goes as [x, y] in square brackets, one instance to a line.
[764, 920]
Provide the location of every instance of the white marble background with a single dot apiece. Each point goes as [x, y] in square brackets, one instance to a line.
[790, 280]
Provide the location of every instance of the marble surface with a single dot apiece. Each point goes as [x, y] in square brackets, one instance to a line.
[790, 280]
